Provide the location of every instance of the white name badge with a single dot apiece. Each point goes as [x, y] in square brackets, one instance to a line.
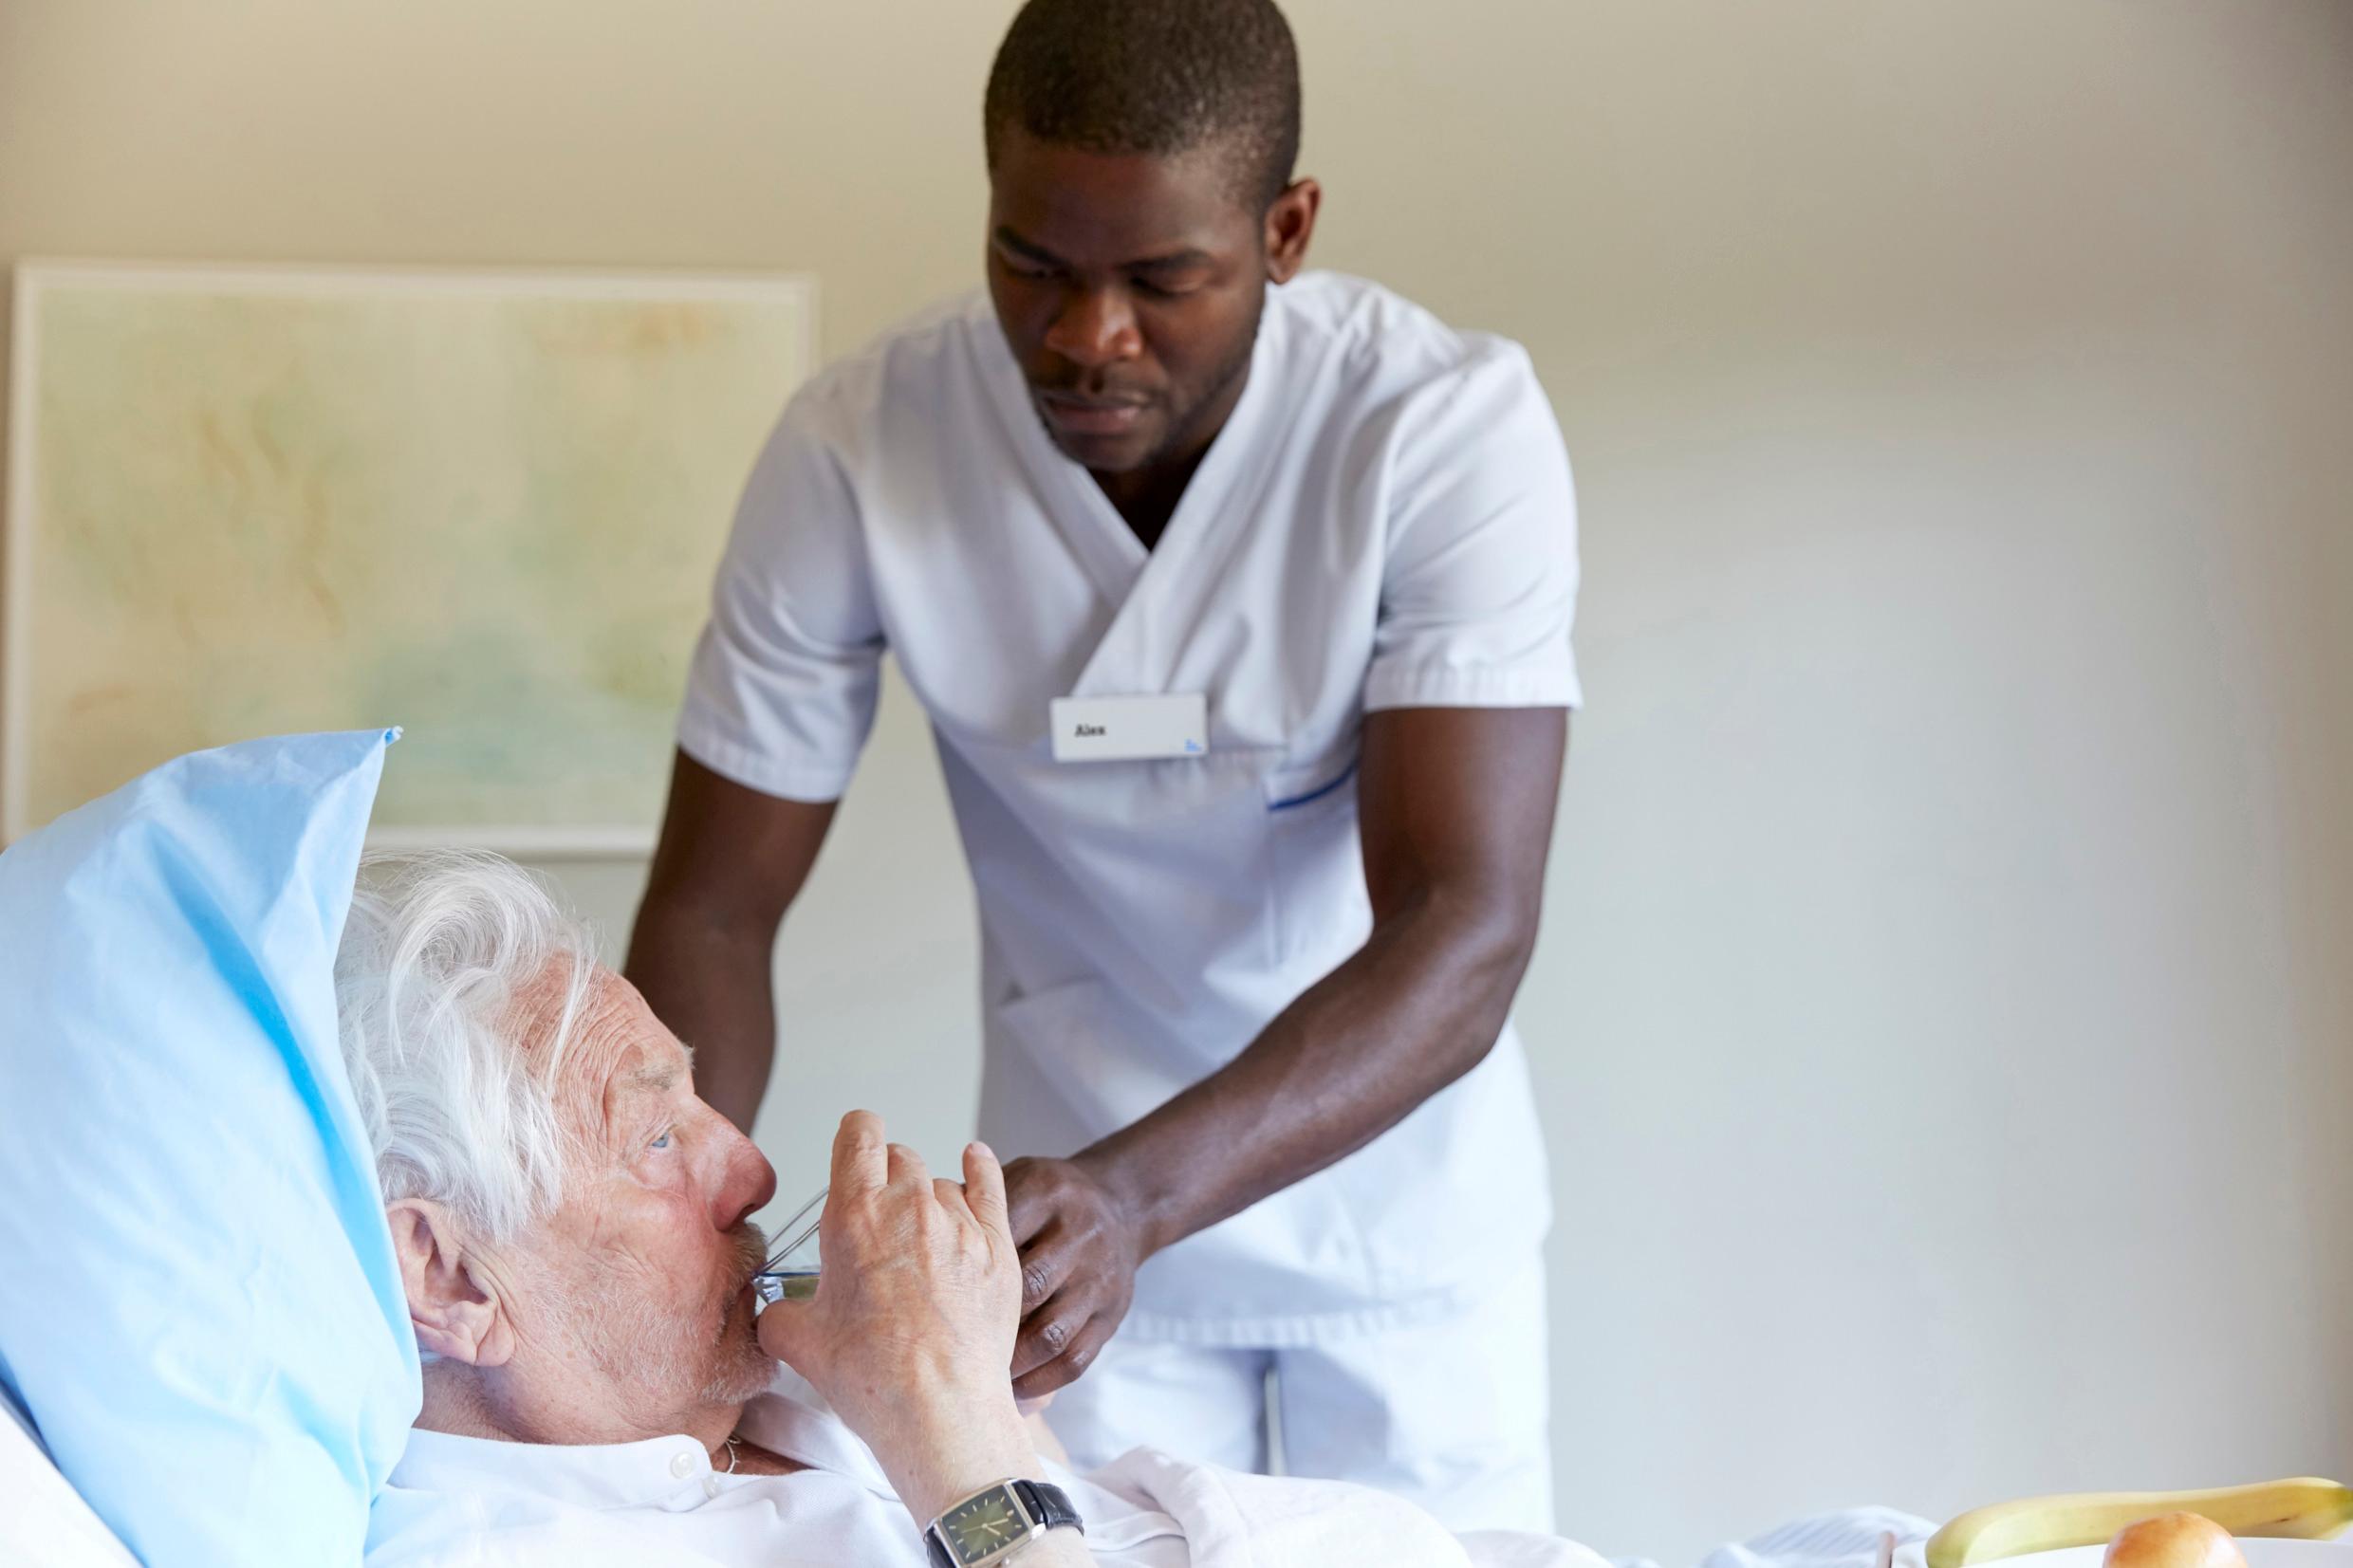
[1111, 729]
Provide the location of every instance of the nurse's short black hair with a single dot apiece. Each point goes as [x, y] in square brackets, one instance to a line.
[1160, 77]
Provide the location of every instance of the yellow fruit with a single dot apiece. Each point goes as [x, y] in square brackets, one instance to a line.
[2307, 1509]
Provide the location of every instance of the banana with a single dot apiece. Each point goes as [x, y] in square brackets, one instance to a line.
[2307, 1509]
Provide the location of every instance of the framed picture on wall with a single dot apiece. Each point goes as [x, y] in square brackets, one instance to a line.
[484, 506]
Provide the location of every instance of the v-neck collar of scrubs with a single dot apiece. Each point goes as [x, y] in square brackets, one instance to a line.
[1138, 583]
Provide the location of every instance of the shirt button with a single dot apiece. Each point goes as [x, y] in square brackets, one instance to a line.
[711, 1486]
[683, 1466]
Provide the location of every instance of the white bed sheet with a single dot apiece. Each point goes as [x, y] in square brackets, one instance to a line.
[45, 1524]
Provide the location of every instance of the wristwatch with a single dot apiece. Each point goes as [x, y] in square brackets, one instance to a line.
[996, 1521]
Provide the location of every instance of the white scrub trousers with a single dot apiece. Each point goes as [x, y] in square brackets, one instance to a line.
[1452, 1415]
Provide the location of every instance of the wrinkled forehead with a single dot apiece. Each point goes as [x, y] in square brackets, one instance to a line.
[619, 1063]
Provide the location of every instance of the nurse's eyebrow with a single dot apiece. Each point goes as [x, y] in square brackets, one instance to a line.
[1175, 261]
[1008, 240]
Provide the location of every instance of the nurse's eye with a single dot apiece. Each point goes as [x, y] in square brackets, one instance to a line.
[1165, 290]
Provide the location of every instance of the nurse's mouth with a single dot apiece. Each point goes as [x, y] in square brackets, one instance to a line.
[1090, 416]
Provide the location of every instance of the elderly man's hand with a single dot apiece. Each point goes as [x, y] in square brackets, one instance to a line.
[912, 1324]
[1079, 1255]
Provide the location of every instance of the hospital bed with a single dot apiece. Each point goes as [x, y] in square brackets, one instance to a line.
[243, 861]
[45, 1523]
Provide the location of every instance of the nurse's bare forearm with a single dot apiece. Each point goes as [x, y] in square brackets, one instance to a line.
[730, 864]
[1418, 1006]
[1455, 809]
[714, 990]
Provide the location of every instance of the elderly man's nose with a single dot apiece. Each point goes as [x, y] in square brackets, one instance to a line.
[751, 1183]
[1095, 328]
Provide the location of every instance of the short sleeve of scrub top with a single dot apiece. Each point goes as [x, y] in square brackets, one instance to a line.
[781, 694]
[1480, 589]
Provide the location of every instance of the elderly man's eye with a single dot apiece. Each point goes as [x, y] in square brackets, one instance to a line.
[663, 1141]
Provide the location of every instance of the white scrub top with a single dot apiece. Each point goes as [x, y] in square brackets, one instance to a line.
[1386, 521]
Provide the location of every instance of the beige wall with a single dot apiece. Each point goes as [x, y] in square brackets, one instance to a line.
[1945, 1017]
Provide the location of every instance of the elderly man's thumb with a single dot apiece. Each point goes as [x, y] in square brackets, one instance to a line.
[782, 1329]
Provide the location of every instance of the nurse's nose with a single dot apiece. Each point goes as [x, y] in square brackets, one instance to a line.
[1095, 328]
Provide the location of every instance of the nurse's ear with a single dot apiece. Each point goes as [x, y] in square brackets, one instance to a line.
[1290, 224]
[454, 1303]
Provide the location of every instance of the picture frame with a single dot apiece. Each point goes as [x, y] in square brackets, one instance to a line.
[482, 504]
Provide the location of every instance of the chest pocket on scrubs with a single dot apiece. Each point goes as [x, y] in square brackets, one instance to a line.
[1320, 904]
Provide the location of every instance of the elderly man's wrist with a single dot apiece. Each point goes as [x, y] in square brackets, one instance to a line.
[955, 1454]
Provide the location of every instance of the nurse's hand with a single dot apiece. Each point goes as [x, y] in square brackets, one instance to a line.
[1079, 1254]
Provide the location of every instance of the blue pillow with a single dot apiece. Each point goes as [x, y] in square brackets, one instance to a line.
[198, 1302]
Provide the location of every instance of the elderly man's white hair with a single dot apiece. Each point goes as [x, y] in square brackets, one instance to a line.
[447, 957]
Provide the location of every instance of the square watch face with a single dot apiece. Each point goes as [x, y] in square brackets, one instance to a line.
[986, 1524]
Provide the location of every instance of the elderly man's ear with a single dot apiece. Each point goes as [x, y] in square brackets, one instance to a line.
[452, 1303]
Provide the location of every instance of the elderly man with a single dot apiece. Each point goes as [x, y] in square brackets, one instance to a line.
[574, 1234]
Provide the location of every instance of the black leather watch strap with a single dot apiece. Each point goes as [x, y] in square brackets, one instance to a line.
[1050, 1506]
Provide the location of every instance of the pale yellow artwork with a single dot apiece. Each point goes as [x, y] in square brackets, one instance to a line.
[483, 508]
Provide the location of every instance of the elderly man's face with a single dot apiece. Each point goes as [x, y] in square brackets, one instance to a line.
[642, 1277]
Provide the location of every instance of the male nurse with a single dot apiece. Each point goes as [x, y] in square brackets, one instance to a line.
[1239, 598]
